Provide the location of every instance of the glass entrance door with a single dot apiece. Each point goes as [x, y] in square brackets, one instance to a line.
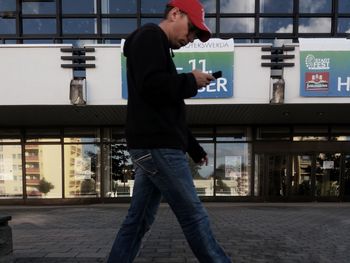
[327, 175]
[347, 176]
[277, 179]
[301, 181]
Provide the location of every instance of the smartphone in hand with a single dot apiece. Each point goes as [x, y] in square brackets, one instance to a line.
[217, 74]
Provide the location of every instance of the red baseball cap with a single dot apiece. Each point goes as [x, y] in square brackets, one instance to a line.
[195, 12]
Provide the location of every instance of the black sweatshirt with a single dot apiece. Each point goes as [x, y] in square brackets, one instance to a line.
[156, 110]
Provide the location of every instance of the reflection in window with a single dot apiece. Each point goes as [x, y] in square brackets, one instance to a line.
[38, 41]
[154, 20]
[119, 172]
[203, 133]
[301, 175]
[39, 26]
[82, 170]
[43, 135]
[237, 25]
[10, 171]
[118, 25]
[276, 6]
[10, 135]
[343, 25]
[311, 6]
[280, 42]
[118, 7]
[310, 133]
[7, 26]
[327, 174]
[237, 6]
[36, 7]
[347, 175]
[79, 26]
[276, 25]
[81, 135]
[232, 134]
[209, 6]
[344, 6]
[211, 23]
[78, 6]
[203, 175]
[315, 25]
[153, 7]
[273, 133]
[259, 174]
[10, 41]
[79, 42]
[112, 41]
[340, 133]
[43, 171]
[232, 175]
[244, 40]
[7, 5]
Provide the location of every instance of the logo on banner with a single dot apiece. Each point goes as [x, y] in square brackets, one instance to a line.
[314, 63]
[316, 81]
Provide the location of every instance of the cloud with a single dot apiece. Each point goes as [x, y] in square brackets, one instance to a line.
[316, 25]
[286, 29]
[238, 6]
[234, 6]
[311, 6]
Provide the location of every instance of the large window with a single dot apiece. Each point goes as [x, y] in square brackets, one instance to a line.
[79, 26]
[203, 175]
[328, 174]
[82, 162]
[39, 26]
[7, 26]
[310, 6]
[153, 7]
[36, 7]
[79, 6]
[118, 6]
[10, 171]
[7, 5]
[109, 21]
[232, 175]
[276, 6]
[237, 6]
[118, 25]
[233, 167]
[43, 168]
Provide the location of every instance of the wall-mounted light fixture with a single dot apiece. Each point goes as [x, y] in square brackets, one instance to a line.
[277, 91]
[78, 92]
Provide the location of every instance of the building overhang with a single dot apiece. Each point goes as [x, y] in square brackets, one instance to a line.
[218, 114]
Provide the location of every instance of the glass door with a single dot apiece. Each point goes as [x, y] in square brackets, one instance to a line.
[347, 176]
[301, 181]
[327, 175]
[277, 179]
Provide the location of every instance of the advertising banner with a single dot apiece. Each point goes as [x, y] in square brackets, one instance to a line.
[214, 55]
[324, 67]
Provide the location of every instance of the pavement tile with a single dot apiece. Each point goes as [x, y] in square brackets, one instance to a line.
[249, 233]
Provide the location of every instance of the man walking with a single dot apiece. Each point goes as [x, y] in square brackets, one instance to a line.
[158, 137]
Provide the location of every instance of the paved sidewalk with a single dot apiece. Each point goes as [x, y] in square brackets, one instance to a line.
[249, 232]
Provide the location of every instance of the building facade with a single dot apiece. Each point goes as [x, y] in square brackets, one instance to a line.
[269, 140]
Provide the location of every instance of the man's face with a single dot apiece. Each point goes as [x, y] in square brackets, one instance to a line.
[183, 31]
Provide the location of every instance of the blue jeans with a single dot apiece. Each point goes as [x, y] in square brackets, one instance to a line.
[165, 172]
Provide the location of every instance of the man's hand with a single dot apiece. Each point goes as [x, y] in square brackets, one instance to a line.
[202, 79]
[203, 161]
